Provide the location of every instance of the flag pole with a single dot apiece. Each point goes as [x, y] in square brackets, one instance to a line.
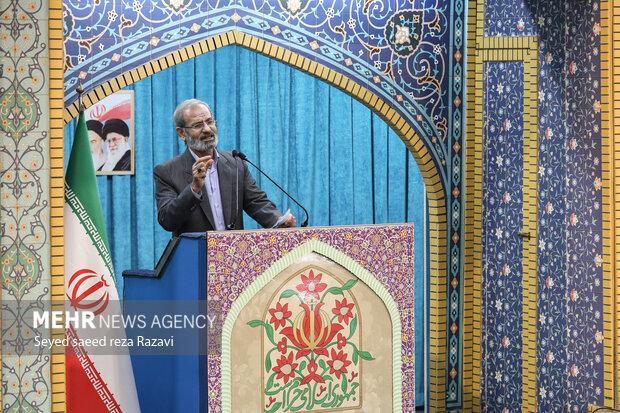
[80, 89]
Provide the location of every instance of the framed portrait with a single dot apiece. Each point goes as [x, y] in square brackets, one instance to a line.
[110, 124]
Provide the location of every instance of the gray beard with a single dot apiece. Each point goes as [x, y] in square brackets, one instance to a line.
[198, 145]
[114, 158]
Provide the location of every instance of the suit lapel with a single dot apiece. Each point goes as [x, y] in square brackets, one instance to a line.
[204, 204]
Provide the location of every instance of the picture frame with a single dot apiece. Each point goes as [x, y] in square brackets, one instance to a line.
[111, 126]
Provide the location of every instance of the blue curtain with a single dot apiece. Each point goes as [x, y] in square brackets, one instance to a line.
[332, 153]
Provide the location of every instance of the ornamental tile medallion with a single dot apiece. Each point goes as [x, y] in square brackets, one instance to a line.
[312, 350]
[294, 7]
[404, 31]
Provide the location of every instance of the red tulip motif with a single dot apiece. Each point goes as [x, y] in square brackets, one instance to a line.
[311, 331]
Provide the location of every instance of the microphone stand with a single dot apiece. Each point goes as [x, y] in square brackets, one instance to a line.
[245, 158]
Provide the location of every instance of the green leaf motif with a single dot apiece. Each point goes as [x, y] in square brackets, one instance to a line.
[270, 382]
[302, 366]
[287, 294]
[268, 365]
[365, 355]
[354, 357]
[269, 331]
[19, 111]
[349, 284]
[344, 384]
[322, 363]
[335, 291]
[353, 326]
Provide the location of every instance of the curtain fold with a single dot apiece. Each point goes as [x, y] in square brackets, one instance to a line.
[332, 154]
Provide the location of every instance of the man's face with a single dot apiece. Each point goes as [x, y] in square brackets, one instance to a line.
[96, 143]
[116, 143]
[199, 135]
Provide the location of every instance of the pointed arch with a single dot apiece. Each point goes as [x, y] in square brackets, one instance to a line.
[437, 234]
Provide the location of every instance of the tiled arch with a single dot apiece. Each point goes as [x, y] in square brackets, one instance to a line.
[437, 233]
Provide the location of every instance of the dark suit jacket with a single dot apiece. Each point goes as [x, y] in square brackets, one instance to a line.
[178, 210]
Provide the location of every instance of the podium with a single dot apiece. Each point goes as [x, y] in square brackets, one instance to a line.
[170, 382]
[313, 319]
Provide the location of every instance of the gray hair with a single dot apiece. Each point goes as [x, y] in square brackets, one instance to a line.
[179, 113]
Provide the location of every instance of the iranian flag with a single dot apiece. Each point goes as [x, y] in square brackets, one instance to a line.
[99, 379]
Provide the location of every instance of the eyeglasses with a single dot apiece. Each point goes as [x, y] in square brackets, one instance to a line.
[198, 126]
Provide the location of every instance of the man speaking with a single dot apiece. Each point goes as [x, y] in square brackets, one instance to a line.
[204, 189]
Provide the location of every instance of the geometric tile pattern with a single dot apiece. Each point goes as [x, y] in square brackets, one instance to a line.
[24, 200]
[409, 55]
[56, 198]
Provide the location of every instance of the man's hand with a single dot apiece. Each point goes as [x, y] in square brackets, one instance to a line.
[199, 171]
[289, 223]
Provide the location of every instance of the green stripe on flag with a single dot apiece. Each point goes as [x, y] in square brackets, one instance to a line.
[80, 177]
[88, 225]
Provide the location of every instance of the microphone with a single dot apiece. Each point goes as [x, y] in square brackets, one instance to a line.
[242, 156]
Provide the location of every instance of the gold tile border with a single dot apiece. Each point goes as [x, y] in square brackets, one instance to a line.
[530, 223]
[57, 202]
[610, 117]
[472, 192]
[483, 49]
[435, 192]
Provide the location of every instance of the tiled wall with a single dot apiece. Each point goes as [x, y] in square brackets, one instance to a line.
[570, 342]
[502, 271]
[423, 83]
[24, 199]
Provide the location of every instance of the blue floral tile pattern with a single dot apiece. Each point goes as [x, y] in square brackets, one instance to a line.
[583, 219]
[552, 328]
[502, 301]
[570, 325]
[511, 18]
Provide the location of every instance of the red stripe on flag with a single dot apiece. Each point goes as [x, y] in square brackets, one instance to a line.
[86, 390]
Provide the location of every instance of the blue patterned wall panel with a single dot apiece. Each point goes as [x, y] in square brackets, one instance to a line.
[502, 301]
[509, 18]
[570, 325]
[552, 333]
[570, 348]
